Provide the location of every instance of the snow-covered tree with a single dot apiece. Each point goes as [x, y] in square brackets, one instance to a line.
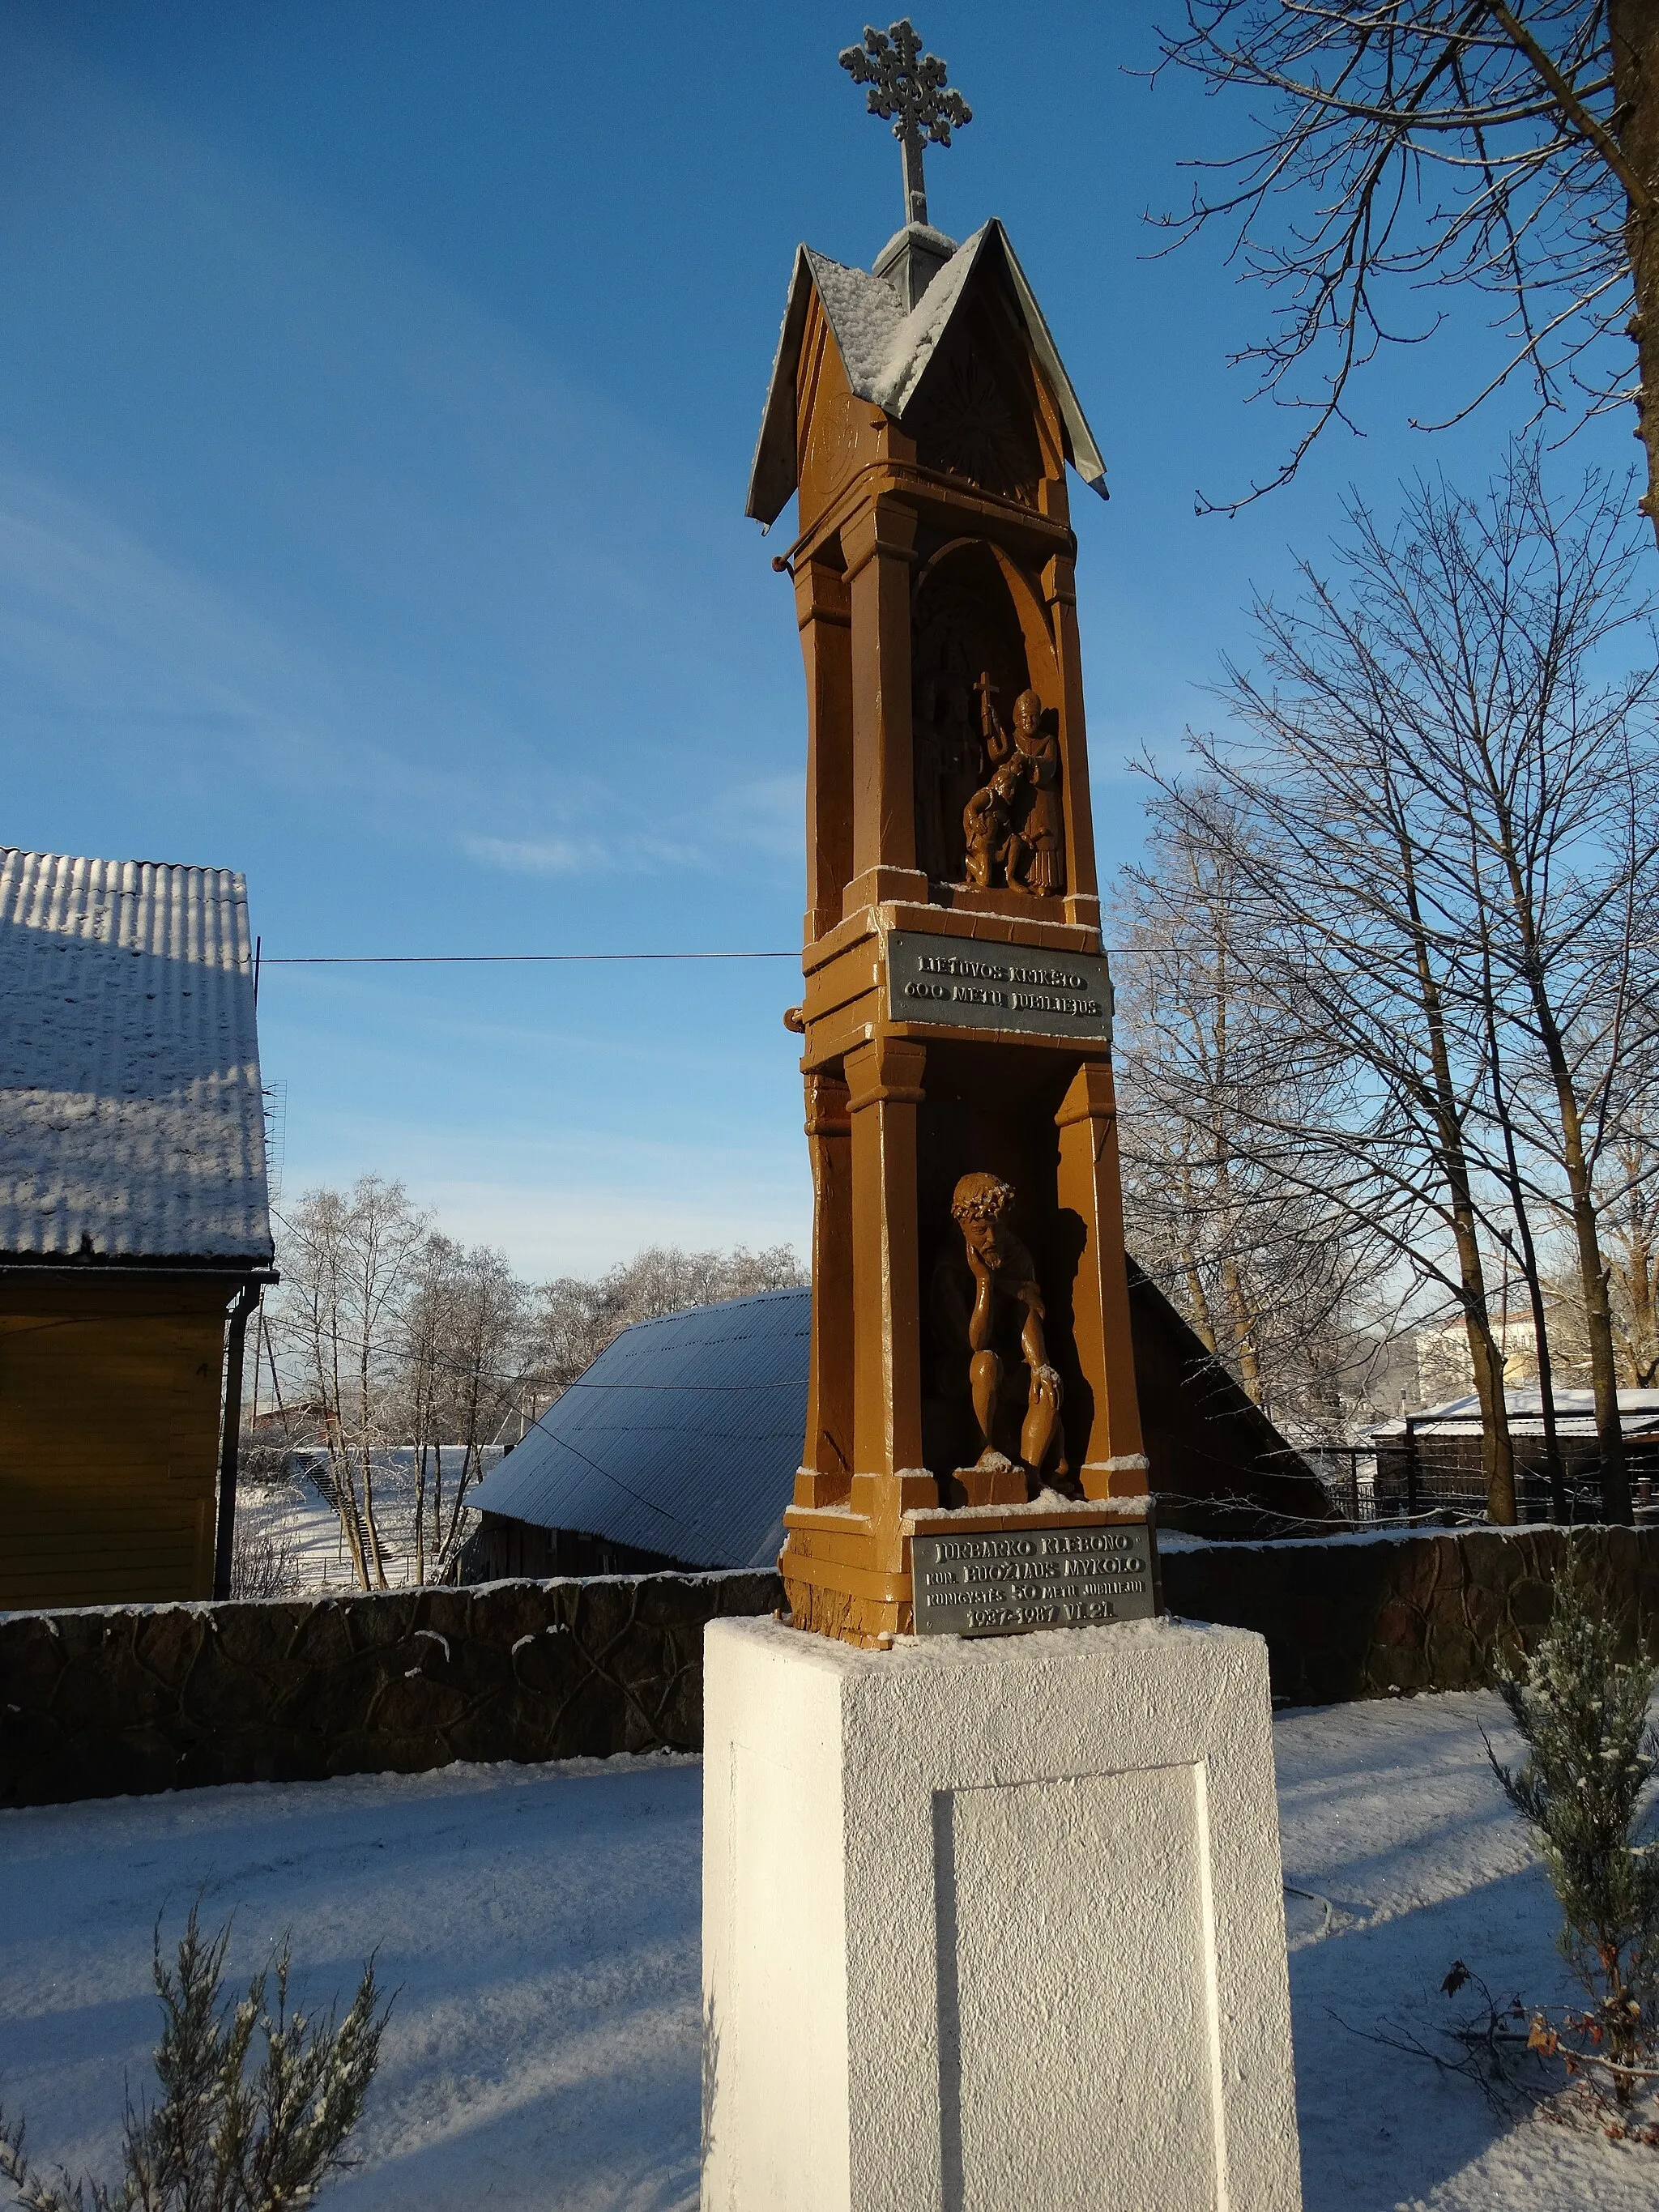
[1582, 1711]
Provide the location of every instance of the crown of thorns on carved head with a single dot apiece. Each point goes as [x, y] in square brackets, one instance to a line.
[981, 1197]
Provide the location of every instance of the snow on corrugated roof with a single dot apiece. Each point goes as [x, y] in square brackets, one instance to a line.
[1575, 1414]
[130, 1113]
[887, 353]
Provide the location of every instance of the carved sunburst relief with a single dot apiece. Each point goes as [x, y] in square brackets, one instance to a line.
[965, 426]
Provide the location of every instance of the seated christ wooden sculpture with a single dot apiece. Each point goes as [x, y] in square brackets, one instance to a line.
[970, 1347]
[1004, 1281]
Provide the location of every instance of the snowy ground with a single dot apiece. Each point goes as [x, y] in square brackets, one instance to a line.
[306, 1529]
[542, 1925]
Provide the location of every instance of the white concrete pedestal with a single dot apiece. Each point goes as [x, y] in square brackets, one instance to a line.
[994, 1926]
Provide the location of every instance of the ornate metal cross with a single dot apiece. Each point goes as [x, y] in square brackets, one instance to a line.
[908, 88]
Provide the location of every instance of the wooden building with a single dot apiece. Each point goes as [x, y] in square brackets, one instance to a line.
[134, 1226]
[1428, 1460]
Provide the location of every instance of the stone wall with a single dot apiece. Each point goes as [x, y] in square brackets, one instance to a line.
[134, 1699]
[1372, 1615]
[139, 1699]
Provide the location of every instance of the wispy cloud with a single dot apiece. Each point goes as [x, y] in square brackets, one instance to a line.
[557, 855]
[534, 856]
[762, 815]
[768, 813]
[410, 616]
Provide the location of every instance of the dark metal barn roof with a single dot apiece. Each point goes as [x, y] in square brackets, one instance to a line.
[683, 1438]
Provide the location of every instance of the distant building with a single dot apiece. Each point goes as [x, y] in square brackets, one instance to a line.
[134, 1227]
[1445, 1368]
[678, 1447]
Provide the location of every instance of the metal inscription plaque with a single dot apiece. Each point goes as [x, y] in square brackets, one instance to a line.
[997, 1585]
[1028, 990]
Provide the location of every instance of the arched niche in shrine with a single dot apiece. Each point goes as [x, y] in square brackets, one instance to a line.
[987, 1110]
[979, 638]
[965, 628]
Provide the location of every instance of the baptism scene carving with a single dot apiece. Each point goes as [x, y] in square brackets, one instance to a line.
[1013, 828]
[988, 1319]
[990, 809]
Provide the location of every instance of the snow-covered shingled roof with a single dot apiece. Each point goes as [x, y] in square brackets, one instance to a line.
[130, 1113]
[886, 354]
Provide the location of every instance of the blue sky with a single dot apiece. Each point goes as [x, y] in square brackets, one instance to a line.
[376, 406]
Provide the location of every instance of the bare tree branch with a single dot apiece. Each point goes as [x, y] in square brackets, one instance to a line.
[1543, 124]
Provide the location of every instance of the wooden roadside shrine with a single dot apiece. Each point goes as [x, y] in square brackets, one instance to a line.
[971, 1346]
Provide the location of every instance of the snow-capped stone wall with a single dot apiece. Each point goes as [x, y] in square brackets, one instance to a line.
[128, 1699]
[1393, 1610]
[135, 1699]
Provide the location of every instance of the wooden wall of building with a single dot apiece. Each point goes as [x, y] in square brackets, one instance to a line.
[109, 1390]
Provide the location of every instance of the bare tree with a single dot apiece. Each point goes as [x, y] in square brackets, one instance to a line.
[462, 1325]
[392, 1335]
[1450, 831]
[1411, 144]
[1504, 607]
[1336, 933]
[1630, 1240]
[346, 1259]
[1523, 1247]
[427, 1322]
[575, 1318]
[1265, 1269]
[1632, 1234]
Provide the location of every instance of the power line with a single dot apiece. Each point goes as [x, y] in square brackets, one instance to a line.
[474, 959]
[444, 959]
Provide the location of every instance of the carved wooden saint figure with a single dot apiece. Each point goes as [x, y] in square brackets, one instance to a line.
[1006, 1291]
[1030, 847]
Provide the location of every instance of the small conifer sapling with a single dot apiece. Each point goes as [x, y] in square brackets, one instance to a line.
[233, 2131]
[1581, 1712]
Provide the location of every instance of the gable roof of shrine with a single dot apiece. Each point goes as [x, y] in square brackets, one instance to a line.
[887, 353]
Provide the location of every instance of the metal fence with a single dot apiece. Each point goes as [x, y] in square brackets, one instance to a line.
[1411, 1479]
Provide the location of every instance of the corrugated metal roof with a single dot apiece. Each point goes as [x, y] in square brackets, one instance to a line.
[1575, 1414]
[130, 1121]
[683, 1438]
